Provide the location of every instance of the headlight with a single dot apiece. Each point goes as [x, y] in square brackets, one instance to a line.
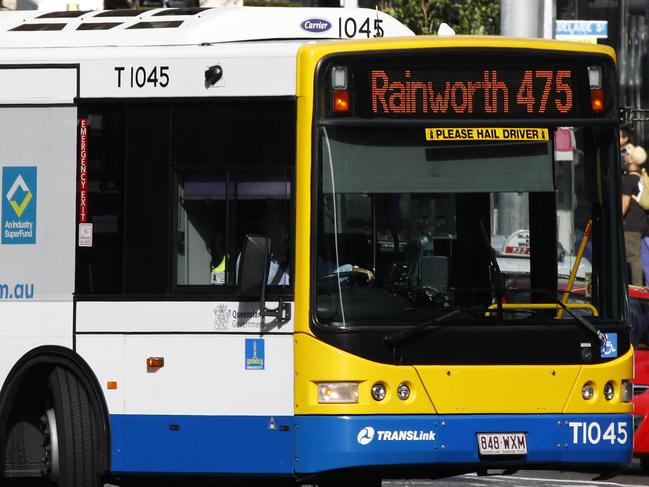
[587, 391]
[609, 391]
[337, 392]
[403, 391]
[378, 391]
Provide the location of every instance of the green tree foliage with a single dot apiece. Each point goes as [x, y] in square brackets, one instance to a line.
[464, 16]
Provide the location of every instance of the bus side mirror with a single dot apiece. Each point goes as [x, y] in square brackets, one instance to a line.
[253, 267]
[253, 276]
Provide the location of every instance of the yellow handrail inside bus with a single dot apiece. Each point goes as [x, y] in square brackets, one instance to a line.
[575, 265]
[532, 306]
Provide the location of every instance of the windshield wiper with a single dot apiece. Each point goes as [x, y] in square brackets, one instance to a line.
[413, 332]
[580, 319]
[410, 333]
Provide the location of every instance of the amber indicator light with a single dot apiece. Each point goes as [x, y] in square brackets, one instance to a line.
[597, 100]
[341, 101]
[155, 362]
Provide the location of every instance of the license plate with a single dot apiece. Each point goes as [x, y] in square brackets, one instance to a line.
[502, 443]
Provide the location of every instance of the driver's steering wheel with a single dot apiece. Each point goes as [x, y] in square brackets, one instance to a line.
[348, 278]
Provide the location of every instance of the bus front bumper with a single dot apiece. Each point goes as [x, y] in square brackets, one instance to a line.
[334, 442]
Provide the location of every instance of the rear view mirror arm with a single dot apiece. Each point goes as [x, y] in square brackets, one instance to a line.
[282, 313]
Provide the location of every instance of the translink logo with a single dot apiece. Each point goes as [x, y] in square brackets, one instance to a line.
[19, 208]
[367, 434]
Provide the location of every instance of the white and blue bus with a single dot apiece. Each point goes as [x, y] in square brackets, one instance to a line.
[256, 242]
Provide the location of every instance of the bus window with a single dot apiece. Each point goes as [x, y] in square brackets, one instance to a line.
[180, 209]
[231, 180]
[146, 220]
[217, 210]
[426, 219]
[126, 187]
[99, 268]
[263, 208]
[201, 237]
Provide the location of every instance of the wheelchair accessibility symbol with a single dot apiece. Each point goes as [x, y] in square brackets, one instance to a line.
[609, 349]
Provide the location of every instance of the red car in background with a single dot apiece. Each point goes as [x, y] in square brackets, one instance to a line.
[639, 318]
[641, 408]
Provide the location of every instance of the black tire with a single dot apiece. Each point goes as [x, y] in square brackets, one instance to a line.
[79, 451]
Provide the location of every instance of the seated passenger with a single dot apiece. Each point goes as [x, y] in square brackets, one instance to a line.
[274, 225]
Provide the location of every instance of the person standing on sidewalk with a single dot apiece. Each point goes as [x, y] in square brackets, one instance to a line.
[634, 217]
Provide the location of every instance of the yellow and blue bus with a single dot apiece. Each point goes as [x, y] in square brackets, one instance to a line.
[306, 244]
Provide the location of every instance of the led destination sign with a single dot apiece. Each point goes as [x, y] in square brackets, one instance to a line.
[496, 92]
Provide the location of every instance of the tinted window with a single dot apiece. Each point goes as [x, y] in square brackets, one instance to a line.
[173, 190]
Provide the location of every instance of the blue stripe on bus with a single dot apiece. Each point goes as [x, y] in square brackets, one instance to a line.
[331, 442]
[202, 444]
[251, 445]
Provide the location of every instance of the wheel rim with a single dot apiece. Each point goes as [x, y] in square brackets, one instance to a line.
[51, 444]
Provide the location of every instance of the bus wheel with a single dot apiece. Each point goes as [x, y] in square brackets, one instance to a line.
[70, 430]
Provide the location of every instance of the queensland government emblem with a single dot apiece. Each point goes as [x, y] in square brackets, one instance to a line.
[221, 315]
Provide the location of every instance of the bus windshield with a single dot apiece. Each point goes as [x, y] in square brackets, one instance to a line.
[408, 228]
